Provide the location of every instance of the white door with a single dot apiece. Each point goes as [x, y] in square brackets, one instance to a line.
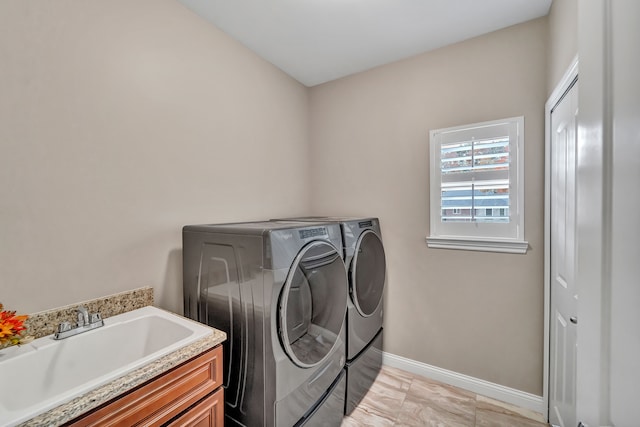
[564, 292]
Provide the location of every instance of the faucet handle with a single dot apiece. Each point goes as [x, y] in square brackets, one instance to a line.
[95, 318]
[64, 327]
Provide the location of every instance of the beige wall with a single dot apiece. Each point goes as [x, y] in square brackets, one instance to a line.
[563, 39]
[476, 313]
[122, 121]
[119, 123]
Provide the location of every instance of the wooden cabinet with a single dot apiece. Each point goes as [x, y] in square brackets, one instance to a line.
[209, 412]
[190, 394]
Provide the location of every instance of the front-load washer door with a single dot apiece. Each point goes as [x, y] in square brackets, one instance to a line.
[367, 273]
[313, 304]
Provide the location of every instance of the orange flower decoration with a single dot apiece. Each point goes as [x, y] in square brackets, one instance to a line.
[5, 330]
[12, 330]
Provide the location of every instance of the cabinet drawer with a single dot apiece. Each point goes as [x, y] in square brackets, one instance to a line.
[163, 398]
[208, 413]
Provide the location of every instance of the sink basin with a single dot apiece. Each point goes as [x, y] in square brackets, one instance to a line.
[47, 373]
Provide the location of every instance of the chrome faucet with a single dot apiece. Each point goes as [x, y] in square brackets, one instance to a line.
[83, 316]
[86, 322]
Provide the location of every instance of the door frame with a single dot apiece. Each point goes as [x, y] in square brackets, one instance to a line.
[555, 97]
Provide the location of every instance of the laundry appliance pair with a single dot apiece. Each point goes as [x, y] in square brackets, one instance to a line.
[365, 262]
[281, 292]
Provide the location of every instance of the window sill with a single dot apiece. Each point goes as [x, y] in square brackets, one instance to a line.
[483, 245]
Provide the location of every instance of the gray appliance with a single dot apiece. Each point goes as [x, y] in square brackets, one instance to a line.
[365, 260]
[279, 291]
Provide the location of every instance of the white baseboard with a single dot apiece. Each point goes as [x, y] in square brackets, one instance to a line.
[495, 391]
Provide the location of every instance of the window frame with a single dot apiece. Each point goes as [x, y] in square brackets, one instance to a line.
[480, 236]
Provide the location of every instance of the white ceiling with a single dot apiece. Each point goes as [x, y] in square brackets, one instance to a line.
[315, 41]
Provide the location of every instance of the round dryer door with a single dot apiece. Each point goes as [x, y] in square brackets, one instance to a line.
[367, 273]
[313, 304]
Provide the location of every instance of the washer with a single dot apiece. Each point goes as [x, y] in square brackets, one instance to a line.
[279, 291]
[365, 260]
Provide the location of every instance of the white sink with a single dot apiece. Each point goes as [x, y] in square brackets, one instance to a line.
[47, 373]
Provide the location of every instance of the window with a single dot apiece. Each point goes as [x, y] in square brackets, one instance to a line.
[477, 187]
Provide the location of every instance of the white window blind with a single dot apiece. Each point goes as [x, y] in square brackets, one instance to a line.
[475, 181]
[477, 185]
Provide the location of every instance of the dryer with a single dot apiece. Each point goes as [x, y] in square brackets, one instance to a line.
[279, 291]
[366, 264]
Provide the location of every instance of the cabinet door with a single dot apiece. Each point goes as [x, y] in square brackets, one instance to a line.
[209, 412]
[163, 398]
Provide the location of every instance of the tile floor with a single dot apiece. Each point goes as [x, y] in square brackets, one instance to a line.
[399, 398]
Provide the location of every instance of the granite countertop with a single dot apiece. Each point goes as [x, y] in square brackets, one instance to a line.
[82, 404]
